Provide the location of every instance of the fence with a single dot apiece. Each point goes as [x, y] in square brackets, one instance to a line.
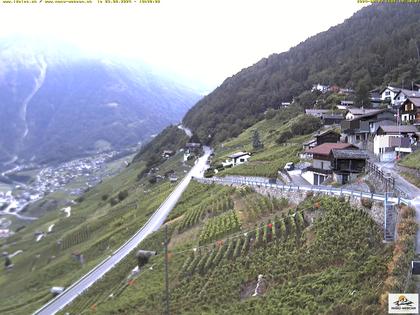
[315, 189]
[388, 181]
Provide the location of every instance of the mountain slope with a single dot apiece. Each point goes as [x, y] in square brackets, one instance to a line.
[377, 45]
[57, 104]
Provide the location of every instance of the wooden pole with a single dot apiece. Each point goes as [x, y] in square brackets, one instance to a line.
[166, 272]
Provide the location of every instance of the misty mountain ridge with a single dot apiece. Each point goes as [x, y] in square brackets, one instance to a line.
[57, 102]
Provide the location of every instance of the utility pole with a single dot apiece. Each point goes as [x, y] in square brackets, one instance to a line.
[166, 271]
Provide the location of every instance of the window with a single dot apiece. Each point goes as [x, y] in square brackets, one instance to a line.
[387, 93]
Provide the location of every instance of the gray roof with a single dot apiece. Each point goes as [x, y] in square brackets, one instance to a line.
[238, 154]
[363, 111]
[393, 89]
[316, 111]
[398, 129]
[414, 100]
[408, 93]
[350, 154]
[333, 116]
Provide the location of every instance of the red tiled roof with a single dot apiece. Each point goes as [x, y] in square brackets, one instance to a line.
[325, 148]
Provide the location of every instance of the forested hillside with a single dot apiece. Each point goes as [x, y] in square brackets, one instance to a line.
[376, 46]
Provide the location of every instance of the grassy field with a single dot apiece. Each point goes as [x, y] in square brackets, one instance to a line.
[101, 220]
[268, 160]
[320, 257]
[412, 160]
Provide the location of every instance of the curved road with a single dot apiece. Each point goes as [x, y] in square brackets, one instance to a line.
[153, 224]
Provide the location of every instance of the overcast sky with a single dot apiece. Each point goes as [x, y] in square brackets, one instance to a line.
[203, 40]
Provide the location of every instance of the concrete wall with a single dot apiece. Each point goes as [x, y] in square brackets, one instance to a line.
[325, 165]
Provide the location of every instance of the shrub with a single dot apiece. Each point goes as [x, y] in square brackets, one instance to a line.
[104, 197]
[122, 195]
[305, 125]
[284, 136]
[113, 201]
[367, 203]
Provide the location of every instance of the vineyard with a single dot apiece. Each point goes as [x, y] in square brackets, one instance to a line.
[312, 257]
[219, 226]
[242, 244]
[310, 269]
[219, 203]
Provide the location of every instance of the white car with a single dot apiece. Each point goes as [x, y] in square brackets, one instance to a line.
[289, 166]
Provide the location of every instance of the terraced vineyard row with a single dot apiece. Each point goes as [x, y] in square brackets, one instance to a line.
[256, 207]
[198, 213]
[219, 226]
[76, 237]
[278, 229]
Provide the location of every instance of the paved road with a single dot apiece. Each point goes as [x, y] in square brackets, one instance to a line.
[153, 224]
[297, 179]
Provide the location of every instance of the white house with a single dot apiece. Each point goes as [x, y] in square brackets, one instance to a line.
[388, 94]
[237, 159]
[389, 140]
[320, 87]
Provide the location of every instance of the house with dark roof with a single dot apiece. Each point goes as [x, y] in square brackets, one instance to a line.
[375, 97]
[409, 111]
[331, 119]
[322, 137]
[393, 140]
[347, 164]
[355, 112]
[327, 162]
[362, 128]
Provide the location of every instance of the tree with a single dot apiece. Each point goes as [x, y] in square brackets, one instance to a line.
[256, 141]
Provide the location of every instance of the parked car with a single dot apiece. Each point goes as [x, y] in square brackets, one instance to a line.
[289, 166]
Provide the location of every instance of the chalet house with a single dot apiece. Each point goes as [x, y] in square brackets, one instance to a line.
[356, 112]
[391, 140]
[388, 94]
[285, 104]
[347, 164]
[327, 162]
[328, 136]
[375, 97]
[403, 95]
[359, 129]
[409, 111]
[237, 159]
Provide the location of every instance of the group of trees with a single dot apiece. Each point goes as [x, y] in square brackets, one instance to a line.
[377, 46]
